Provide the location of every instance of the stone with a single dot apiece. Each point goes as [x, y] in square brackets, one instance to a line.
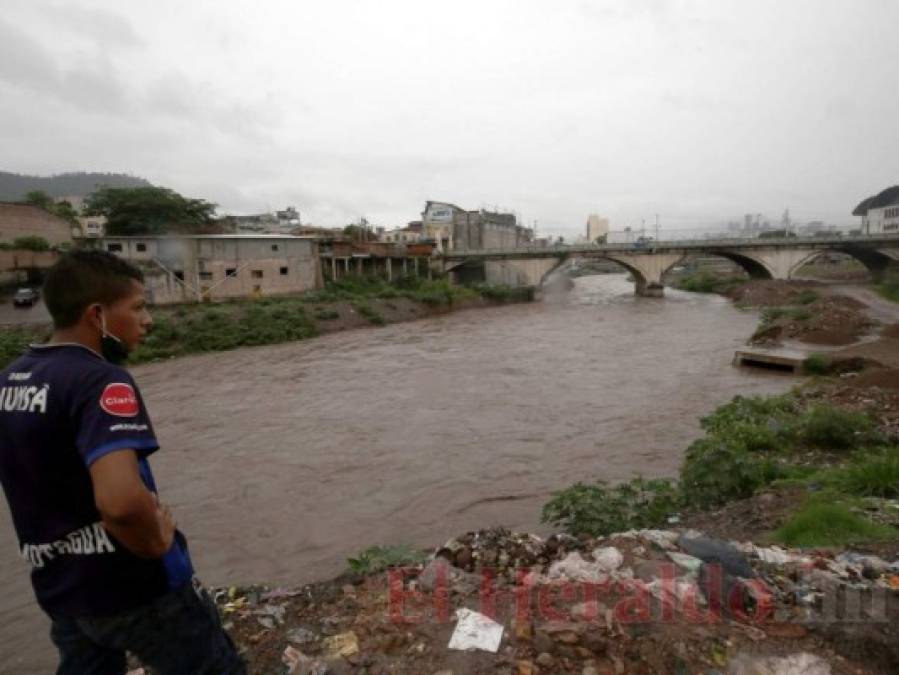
[526, 668]
[524, 630]
[545, 659]
[543, 642]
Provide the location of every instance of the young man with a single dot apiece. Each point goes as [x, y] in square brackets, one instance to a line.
[107, 563]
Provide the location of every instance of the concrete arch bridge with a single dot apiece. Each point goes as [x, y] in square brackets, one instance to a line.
[647, 263]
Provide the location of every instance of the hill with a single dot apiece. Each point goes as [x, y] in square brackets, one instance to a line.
[14, 186]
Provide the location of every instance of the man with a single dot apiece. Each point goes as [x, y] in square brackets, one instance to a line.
[107, 563]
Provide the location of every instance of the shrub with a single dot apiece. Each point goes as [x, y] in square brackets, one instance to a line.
[799, 315]
[806, 297]
[599, 509]
[14, 342]
[378, 558]
[370, 314]
[772, 314]
[817, 364]
[874, 475]
[821, 523]
[716, 471]
[827, 427]
[31, 243]
[322, 314]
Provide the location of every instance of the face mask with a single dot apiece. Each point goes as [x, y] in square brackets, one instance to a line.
[113, 350]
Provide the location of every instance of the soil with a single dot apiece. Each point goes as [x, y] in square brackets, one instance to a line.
[611, 623]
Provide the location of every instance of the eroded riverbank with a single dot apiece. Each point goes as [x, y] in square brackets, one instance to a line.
[281, 461]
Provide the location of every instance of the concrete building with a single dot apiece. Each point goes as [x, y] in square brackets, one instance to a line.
[401, 235]
[596, 228]
[880, 213]
[451, 227]
[194, 268]
[24, 220]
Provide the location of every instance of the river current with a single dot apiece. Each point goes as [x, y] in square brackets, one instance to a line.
[279, 462]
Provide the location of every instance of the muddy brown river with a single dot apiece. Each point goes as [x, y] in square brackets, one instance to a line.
[279, 462]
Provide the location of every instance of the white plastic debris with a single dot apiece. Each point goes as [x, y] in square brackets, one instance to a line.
[662, 538]
[608, 558]
[574, 568]
[688, 562]
[777, 556]
[299, 664]
[801, 663]
[475, 631]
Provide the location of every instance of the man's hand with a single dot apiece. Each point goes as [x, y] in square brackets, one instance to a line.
[130, 512]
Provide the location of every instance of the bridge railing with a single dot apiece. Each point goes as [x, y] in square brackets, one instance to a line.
[650, 246]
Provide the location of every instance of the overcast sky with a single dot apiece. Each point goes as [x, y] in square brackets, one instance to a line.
[699, 110]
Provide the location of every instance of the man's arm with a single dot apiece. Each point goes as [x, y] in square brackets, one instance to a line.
[130, 512]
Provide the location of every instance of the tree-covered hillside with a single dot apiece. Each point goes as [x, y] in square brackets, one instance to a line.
[14, 186]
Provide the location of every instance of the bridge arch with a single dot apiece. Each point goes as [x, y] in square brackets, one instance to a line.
[755, 268]
[876, 262]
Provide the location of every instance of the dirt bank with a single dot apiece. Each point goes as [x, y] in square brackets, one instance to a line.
[587, 606]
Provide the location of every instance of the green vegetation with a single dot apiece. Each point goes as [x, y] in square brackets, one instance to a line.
[806, 297]
[14, 341]
[378, 558]
[209, 328]
[704, 281]
[62, 209]
[370, 314]
[817, 364]
[322, 314]
[149, 210]
[825, 523]
[749, 443]
[599, 509]
[31, 243]
[889, 288]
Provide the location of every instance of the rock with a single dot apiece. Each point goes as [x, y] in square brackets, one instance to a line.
[343, 644]
[543, 642]
[300, 636]
[526, 668]
[524, 630]
[545, 659]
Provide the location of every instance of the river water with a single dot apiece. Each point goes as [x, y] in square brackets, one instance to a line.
[281, 461]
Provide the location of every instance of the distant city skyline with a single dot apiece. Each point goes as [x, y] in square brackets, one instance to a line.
[698, 110]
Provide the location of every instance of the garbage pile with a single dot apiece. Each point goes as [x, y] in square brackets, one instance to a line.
[647, 601]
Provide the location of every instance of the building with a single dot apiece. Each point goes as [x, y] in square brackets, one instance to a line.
[880, 213]
[193, 268]
[597, 228]
[25, 220]
[401, 235]
[452, 227]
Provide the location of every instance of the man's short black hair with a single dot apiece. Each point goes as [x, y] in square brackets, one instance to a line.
[83, 277]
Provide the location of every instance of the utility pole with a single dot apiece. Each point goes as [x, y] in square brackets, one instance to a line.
[657, 227]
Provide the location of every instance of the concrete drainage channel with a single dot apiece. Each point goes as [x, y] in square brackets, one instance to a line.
[780, 360]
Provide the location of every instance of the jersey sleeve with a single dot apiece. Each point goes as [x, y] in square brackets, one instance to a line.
[109, 415]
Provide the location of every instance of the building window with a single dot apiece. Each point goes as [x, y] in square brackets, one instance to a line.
[179, 275]
[230, 271]
[205, 276]
[274, 247]
[141, 247]
[284, 271]
[257, 274]
[114, 248]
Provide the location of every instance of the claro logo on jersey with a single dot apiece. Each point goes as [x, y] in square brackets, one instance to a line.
[119, 399]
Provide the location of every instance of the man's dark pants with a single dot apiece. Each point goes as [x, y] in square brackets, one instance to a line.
[179, 633]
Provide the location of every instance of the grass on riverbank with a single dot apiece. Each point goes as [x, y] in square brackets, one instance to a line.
[706, 281]
[186, 329]
[751, 444]
[889, 288]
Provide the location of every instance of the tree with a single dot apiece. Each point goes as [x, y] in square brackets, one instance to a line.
[31, 243]
[150, 210]
[361, 232]
[63, 208]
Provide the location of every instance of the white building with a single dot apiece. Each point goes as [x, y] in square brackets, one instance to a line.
[880, 213]
[596, 227]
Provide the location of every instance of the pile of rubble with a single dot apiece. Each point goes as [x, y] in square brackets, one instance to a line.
[649, 601]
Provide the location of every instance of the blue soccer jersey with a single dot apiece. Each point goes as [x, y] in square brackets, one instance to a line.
[62, 407]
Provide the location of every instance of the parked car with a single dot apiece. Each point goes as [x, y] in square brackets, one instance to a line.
[25, 297]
